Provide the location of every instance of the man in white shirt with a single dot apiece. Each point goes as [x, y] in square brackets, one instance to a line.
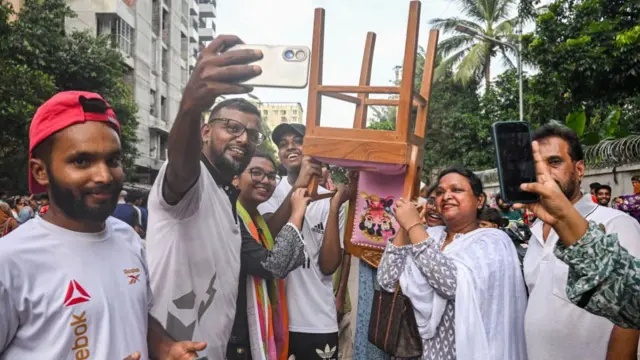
[554, 327]
[313, 321]
[74, 281]
[193, 233]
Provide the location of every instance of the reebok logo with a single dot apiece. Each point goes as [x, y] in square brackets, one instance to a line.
[133, 275]
[75, 294]
[318, 229]
[81, 341]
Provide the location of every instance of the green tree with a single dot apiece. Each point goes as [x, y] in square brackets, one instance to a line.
[588, 51]
[37, 59]
[469, 55]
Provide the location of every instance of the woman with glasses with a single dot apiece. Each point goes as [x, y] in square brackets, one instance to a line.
[260, 330]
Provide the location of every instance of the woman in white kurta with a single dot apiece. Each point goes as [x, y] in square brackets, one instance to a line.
[464, 282]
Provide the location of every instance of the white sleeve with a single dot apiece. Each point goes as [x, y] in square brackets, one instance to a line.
[342, 220]
[9, 319]
[145, 268]
[190, 202]
[628, 230]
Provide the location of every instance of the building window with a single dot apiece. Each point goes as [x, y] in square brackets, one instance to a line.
[284, 120]
[155, 17]
[265, 112]
[154, 55]
[184, 47]
[185, 76]
[163, 147]
[165, 65]
[153, 106]
[166, 25]
[163, 108]
[185, 13]
[294, 112]
[153, 145]
[294, 119]
[121, 33]
[283, 112]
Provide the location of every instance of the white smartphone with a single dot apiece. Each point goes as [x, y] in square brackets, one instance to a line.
[283, 66]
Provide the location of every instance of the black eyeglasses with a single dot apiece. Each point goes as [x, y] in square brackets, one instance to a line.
[236, 129]
[258, 174]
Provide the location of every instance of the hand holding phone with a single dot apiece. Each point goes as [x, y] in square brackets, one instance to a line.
[283, 66]
[514, 157]
[219, 71]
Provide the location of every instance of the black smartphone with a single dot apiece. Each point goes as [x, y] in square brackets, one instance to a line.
[514, 158]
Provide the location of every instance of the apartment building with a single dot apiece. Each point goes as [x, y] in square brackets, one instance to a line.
[275, 113]
[160, 41]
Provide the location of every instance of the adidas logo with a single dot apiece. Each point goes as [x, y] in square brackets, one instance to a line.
[327, 353]
[318, 228]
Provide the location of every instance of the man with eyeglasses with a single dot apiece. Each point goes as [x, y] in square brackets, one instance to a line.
[194, 233]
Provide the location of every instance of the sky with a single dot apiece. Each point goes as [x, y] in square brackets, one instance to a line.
[290, 22]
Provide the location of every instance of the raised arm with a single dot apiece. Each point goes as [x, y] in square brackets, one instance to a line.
[277, 218]
[331, 250]
[288, 250]
[217, 72]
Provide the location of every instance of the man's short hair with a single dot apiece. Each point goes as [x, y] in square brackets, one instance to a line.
[635, 178]
[594, 186]
[566, 134]
[606, 187]
[239, 104]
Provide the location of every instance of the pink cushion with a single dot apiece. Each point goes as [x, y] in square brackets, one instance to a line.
[374, 221]
[368, 166]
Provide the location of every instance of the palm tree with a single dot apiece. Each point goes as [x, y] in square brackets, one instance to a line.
[472, 56]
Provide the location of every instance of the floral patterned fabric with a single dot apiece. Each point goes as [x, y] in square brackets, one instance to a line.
[630, 204]
[604, 278]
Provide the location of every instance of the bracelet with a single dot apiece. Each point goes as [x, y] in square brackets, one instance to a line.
[412, 226]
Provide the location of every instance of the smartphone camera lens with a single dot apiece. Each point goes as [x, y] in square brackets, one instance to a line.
[300, 55]
[289, 54]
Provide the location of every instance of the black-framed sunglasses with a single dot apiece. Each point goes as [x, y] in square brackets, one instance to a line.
[236, 129]
[258, 174]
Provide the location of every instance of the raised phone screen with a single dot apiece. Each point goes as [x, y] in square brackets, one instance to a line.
[515, 158]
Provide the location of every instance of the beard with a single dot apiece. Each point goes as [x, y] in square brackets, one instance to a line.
[227, 165]
[74, 206]
[569, 187]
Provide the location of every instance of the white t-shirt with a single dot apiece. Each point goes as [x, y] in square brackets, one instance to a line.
[66, 295]
[193, 249]
[555, 328]
[310, 299]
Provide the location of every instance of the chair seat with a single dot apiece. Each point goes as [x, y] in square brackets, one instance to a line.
[367, 166]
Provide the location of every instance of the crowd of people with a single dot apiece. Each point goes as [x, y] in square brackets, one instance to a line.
[238, 262]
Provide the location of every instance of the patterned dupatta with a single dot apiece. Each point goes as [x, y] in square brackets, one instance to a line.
[266, 302]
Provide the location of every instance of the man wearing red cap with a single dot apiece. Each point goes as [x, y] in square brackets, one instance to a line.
[74, 282]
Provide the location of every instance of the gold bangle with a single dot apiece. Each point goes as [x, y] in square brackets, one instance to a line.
[412, 226]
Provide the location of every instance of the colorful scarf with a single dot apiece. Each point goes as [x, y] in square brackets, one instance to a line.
[266, 302]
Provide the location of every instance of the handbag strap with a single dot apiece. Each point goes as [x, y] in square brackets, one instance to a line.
[393, 303]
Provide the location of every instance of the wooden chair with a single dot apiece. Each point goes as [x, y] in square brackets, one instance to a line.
[377, 152]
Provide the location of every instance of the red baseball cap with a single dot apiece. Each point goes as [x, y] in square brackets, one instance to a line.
[58, 113]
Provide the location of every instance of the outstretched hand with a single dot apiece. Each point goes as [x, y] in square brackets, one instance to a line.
[553, 204]
[183, 350]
